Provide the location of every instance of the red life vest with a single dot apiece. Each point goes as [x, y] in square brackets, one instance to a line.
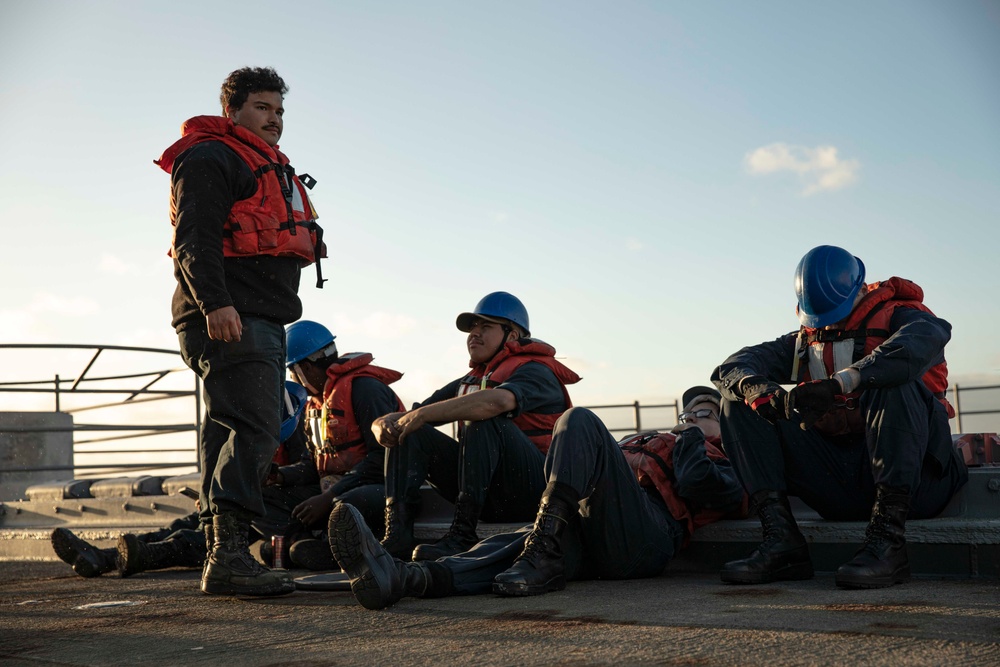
[651, 458]
[278, 219]
[513, 355]
[343, 445]
[822, 352]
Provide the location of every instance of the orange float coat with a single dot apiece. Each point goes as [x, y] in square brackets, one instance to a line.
[516, 353]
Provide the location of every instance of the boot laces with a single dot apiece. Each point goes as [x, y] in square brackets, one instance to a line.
[771, 532]
[537, 547]
[877, 533]
[390, 525]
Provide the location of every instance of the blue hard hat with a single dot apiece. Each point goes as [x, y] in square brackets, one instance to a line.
[295, 395]
[496, 305]
[305, 338]
[827, 280]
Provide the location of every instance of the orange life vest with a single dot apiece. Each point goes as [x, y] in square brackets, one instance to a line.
[343, 446]
[822, 352]
[651, 458]
[278, 219]
[513, 355]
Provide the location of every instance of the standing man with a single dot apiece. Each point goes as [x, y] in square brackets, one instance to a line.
[506, 407]
[610, 510]
[347, 392]
[243, 228]
[864, 433]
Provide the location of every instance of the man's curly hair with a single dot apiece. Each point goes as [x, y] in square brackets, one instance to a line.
[239, 84]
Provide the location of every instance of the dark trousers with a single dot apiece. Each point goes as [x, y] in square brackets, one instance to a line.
[907, 444]
[495, 463]
[279, 501]
[369, 499]
[185, 531]
[243, 387]
[623, 531]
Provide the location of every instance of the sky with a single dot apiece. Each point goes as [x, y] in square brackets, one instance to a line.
[645, 176]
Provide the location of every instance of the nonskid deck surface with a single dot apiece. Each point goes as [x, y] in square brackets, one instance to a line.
[963, 542]
[50, 616]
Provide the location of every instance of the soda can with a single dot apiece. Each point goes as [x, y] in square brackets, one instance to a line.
[278, 551]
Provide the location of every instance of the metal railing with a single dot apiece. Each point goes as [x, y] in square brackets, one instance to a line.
[136, 389]
[620, 417]
[637, 424]
[955, 397]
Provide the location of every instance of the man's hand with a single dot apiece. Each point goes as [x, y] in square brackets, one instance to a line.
[409, 422]
[225, 324]
[274, 478]
[767, 399]
[313, 510]
[812, 400]
[387, 430]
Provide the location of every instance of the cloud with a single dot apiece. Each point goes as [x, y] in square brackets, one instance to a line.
[50, 303]
[115, 265]
[820, 168]
[16, 326]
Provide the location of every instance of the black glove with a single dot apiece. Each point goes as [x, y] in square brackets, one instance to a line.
[767, 399]
[812, 400]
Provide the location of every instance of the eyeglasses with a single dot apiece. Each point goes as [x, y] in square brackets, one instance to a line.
[685, 417]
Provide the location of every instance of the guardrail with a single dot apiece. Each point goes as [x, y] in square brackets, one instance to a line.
[639, 417]
[137, 388]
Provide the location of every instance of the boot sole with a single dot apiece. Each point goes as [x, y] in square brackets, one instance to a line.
[797, 572]
[853, 582]
[73, 551]
[229, 588]
[127, 557]
[509, 589]
[357, 552]
[63, 545]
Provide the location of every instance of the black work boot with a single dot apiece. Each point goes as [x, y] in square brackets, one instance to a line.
[377, 579]
[398, 539]
[134, 555]
[460, 537]
[86, 559]
[312, 554]
[882, 560]
[783, 555]
[540, 567]
[209, 531]
[231, 570]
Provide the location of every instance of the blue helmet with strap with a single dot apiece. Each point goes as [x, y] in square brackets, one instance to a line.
[305, 338]
[496, 306]
[827, 281]
[293, 404]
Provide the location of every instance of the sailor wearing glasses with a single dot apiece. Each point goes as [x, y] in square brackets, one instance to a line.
[610, 510]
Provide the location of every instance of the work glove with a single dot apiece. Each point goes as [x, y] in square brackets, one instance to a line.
[766, 398]
[812, 400]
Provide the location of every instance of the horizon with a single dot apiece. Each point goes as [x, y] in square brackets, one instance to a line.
[644, 177]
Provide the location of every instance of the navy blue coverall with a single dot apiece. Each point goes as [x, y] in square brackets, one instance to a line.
[495, 462]
[624, 531]
[363, 485]
[906, 444]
